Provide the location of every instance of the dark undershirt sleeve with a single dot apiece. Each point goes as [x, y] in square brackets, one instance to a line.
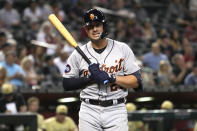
[70, 84]
[137, 74]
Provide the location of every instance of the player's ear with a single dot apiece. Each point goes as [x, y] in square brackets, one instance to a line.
[86, 28]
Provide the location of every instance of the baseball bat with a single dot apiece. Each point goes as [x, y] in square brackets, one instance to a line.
[60, 27]
[43, 44]
[122, 13]
[64, 32]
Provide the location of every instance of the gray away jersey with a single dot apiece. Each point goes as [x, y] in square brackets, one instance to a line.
[117, 58]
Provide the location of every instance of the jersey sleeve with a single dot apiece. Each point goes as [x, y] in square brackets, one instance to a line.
[71, 69]
[130, 63]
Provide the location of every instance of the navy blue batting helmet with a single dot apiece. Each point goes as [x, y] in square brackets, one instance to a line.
[94, 15]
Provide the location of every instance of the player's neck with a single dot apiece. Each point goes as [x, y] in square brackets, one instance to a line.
[99, 44]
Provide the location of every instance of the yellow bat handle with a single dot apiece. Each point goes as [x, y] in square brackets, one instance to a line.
[55, 21]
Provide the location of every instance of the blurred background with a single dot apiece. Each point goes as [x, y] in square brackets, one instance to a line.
[161, 33]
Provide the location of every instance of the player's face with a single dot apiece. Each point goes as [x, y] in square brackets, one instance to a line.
[94, 30]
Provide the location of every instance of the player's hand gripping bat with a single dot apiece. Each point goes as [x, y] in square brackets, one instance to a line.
[64, 32]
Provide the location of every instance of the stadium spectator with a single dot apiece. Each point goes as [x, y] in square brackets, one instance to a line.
[15, 72]
[148, 77]
[58, 12]
[165, 46]
[31, 33]
[193, 5]
[32, 13]
[5, 48]
[60, 61]
[13, 44]
[3, 76]
[191, 78]
[149, 32]
[153, 58]
[134, 30]
[30, 75]
[180, 69]
[45, 9]
[11, 101]
[140, 12]
[38, 58]
[184, 43]
[189, 56]
[47, 35]
[164, 74]
[174, 12]
[167, 105]
[60, 121]
[75, 13]
[9, 16]
[135, 125]
[191, 31]
[3, 38]
[175, 41]
[120, 30]
[33, 107]
[50, 70]
[22, 52]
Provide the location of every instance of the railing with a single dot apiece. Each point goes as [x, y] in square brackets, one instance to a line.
[28, 120]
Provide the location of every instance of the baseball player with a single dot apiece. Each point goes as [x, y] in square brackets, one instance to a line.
[104, 83]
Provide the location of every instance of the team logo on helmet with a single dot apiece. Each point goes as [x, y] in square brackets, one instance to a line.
[92, 16]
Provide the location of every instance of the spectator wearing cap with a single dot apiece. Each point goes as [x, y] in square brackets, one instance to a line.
[14, 71]
[135, 125]
[191, 78]
[11, 99]
[153, 58]
[167, 105]
[60, 122]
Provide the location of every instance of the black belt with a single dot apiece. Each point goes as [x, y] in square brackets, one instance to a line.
[104, 103]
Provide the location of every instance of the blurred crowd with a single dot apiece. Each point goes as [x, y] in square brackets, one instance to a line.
[14, 103]
[162, 34]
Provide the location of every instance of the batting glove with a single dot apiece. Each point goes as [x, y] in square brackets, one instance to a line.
[98, 75]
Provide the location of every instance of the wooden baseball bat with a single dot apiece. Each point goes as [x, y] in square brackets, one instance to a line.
[60, 27]
[64, 32]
